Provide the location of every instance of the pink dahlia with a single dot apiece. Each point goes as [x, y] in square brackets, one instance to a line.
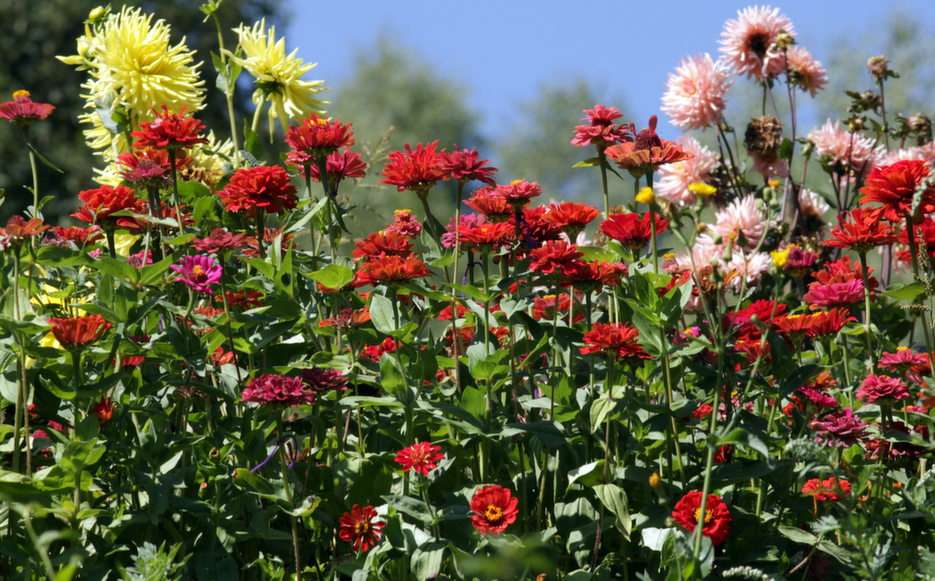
[747, 41]
[742, 216]
[838, 429]
[881, 387]
[746, 268]
[200, 272]
[842, 149]
[805, 71]
[694, 96]
[676, 179]
[272, 389]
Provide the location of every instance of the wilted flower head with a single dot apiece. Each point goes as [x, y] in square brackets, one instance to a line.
[812, 204]
[695, 92]
[747, 41]
[805, 71]
[199, 272]
[279, 77]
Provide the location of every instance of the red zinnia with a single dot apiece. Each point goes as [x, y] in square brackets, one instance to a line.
[101, 203]
[613, 339]
[324, 380]
[388, 269]
[716, 520]
[219, 240]
[549, 306]
[535, 228]
[491, 203]
[465, 165]
[519, 192]
[316, 137]
[631, 229]
[23, 109]
[830, 489]
[148, 167]
[838, 429]
[647, 152]
[266, 187]
[416, 169]
[383, 242]
[341, 165]
[422, 457]
[80, 236]
[493, 509]
[554, 256]
[104, 410]
[358, 528]
[860, 231]
[405, 224]
[74, 332]
[276, 389]
[745, 319]
[882, 387]
[19, 228]
[169, 131]
[894, 186]
[813, 324]
[570, 217]
[488, 234]
[583, 274]
[601, 130]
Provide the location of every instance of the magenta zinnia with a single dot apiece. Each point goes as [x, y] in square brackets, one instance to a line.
[199, 272]
[273, 389]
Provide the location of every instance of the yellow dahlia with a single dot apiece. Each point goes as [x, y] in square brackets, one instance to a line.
[277, 75]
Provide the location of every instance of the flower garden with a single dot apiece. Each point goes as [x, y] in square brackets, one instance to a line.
[717, 372]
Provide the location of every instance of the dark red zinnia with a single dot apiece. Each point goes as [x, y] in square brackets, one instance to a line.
[716, 520]
[265, 187]
[632, 230]
[274, 389]
[616, 339]
[358, 527]
[416, 169]
[169, 131]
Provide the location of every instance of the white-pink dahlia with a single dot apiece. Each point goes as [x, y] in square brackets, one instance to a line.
[747, 41]
[841, 148]
[694, 96]
[746, 267]
[674, 178]
[742, 216]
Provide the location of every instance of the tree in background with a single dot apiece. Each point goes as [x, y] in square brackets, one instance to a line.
[393, 98]
[31, 40]
[537, 147]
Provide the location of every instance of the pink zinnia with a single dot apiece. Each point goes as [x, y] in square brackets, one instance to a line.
[747, 41]
[838, 429]
[742, 216]
[277, 389]
[675, 178]
[694, 96]
[842, 149]
[601, 129]
[881, 387]
[836, 294]
[805, 70]
[200, 272]
[468, 221]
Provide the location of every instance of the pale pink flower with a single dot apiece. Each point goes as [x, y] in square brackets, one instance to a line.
[702, 259]
[742, 216]
[812, 204]
[694, 96]
[924, 152]
[746, 267]
[807, 72]
[843, 149]
[674, 178]
[747, 41]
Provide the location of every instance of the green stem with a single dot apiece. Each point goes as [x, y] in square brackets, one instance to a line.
[35, 183]
[867, 331]
[232, 85]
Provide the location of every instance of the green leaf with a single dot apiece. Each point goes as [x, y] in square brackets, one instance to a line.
[905, 292]
[589, 474]
[600, 409]
[426, 562]
[614, 499]
[590, 162]
[333, 276]
[391, 376]
[116, 268]
[381, 314]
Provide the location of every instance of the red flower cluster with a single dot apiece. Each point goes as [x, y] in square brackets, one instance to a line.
[390, 269]
[74, 332]
[493, 509]
[893, 187]
[488, 235]
[838, 429]
[491, 203]
[883, 388]
[830, 489]
[519, 192]
[613, 339]
[839, 283]
[80, 236]
[339, 166]
[100, 205]
[423, 457]
[265, 187]
[601, 130]
[632, 230]
[716, 520]
[375, 352]
[169, 131]
[554, 257]
[358, 528]
[274, 389]
[416, 169]
[548, 306]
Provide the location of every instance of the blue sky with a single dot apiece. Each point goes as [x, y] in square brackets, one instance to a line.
[501, 51]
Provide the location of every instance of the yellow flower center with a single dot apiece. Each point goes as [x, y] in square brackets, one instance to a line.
[514, 182]
[197, 270]
[702, 189]
[645, 195]
[493, 513]
[708, 515]
[360, 527]
[20, 94]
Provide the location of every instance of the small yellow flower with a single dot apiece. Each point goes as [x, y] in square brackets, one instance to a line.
[645, 195]
[702, 189]
[774, 183]
[780, 256]
[655, 481]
